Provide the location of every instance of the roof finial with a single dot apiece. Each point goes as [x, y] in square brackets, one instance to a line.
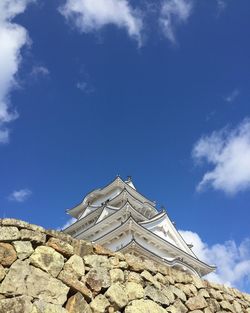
[129, 178]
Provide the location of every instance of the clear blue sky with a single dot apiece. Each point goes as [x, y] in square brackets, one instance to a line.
[97, 101]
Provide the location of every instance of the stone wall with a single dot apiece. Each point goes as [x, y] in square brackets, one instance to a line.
[45, 271]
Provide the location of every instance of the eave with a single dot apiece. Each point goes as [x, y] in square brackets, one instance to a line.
[172, 248]
[133, 244]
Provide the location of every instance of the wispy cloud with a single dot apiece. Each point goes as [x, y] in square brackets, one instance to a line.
[68, 223]
[221, 6]
[92, 15]
[232, 260]
[85, 87]
[232, 96]
[20, 195]
[12, 38]
[228, 151]
[39, 70]
[173, 13]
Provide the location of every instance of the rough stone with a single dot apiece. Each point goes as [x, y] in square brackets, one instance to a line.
[213, 305]
[21, 224]
[20, 304]
[181, 308]
[135, 277]
[178, 293]
[134, 263]
[116, 275]
[7, 254]
[102, 250]
[33, 236]
[98, 278]
[195, 303]
[2, 273]
[61, 246]
[82, 247]
[144, 306]
[117, 295]
[215, 294]
[99, 304]
[60, 235]
[134, 291]
[198, 282]
[226, 306]
[41, 306]
[97, 261]
[74, 284]
[156, 295]
[237, 306]
[23, 248]
[75, 266]
[9, 233]
[168, 293]
[24, 279]
[147, 276]
[77, 304]
[48, 260]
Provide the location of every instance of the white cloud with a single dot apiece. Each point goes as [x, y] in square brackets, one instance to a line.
[39, 71]
[174, 12]
[68, 223]
[92, 15]
[12, 38]
[85, 87]
[228, 151]
[20, 195]
[232, 96]
[232, 261]
[221, 6]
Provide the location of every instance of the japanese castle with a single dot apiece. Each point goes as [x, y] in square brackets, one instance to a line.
[122, 219]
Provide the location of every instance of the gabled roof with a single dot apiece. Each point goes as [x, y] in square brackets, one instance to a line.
[108, 219]
[117, 182]
[188, 258]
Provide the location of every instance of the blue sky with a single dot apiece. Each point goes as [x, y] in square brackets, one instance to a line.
[154, 89]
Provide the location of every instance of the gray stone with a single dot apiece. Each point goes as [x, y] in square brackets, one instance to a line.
[156, 295]
[21, 224]
[99, 304]
[33, 236]
[2, 273]
[9, 233]
[23, 248]
[61, 246]
[41, 306]
[196, 303]
[134, 291]
[23, 279]
[98, 278]
[116, 275]
[75, 266]
[48, 260]
[97, 261]
[117, 295]
[144, 306]
[82, 247]
[178, 293]
[74, 284]
[16, 305]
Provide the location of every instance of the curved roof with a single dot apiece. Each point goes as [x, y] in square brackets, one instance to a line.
[207, 268]
[168, 262]
[117, 182]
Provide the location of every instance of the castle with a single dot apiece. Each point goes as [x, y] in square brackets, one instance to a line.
[120, 218]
